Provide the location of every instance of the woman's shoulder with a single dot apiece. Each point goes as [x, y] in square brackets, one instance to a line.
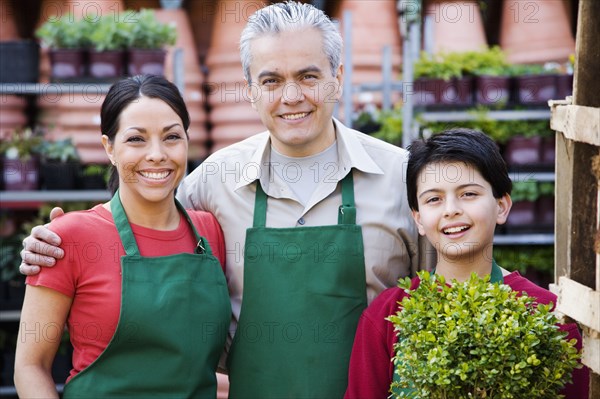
[82, 222]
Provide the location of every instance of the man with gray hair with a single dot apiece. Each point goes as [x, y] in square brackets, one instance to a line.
[315, 214]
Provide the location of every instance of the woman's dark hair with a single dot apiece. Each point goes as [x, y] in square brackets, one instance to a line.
[123, 93]
[458, 145]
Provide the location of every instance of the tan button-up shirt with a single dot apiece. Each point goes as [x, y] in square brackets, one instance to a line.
[224, 184]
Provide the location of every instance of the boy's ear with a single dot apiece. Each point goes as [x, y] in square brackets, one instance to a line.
[504, 205]
[417, 216]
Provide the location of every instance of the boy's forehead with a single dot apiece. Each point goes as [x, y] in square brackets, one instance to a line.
[449, 172]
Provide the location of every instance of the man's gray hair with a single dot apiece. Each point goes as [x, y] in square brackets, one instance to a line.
[288, 16]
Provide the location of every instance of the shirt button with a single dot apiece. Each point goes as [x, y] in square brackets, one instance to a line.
[301, 221]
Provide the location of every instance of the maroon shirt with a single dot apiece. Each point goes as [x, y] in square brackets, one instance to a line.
[371, 367]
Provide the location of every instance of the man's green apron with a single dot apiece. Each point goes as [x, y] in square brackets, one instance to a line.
[495, 277]
[175, 311]
[304, 291]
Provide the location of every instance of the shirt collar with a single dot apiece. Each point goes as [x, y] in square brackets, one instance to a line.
[351, 153]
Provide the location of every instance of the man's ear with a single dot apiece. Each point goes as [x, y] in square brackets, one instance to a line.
[340, 78]
[108, 147]
[417, 217]
[504, 205]
[253, 93]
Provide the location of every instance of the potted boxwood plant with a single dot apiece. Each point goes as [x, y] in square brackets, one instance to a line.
[148, 40]
[60, 163]
[66, 40]
[109, 37]
[437, 81]
[534, 84]
[492, 75]
[476, 339]
[20, 151]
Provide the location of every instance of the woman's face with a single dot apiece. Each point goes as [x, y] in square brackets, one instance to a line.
[149, 151]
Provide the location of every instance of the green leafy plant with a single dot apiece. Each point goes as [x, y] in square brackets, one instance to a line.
[391, 126]
[524, 258]
[438, 66]
[478, 340]
[21, 144]
[109, 33]
[64, 33]
[149, 33]
[546, 188]
[488, 62]
[526, 190]
[59, 150]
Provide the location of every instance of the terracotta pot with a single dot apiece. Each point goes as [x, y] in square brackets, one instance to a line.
[193, 80]
[457, 25]
[142, 61]
[374, 26]
[106, 64]
[523, 151]
[20, 175]
[231, 115]
[67, 64]
[535, 89]
[535, 31]
[492, 90]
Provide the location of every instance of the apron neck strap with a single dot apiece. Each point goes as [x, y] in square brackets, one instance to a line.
[126, 234]
[346, 212]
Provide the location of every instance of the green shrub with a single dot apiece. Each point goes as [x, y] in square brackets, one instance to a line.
[478, 340]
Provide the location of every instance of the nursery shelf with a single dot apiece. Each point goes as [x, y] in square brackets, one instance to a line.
[90, 88]
[24, 197]
[503, 115]
[524, 239]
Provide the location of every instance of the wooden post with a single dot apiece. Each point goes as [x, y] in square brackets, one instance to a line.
[577, 189]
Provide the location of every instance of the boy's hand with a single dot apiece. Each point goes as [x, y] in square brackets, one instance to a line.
[41, 247]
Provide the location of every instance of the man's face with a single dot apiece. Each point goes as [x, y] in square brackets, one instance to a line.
[294, 91]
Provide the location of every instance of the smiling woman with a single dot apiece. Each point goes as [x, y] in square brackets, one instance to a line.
[144, 123]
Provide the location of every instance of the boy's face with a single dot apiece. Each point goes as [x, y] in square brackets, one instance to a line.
[457, 211]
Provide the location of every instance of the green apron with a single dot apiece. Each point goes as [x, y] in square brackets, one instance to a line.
[495, 277]
[304, 291]
[172, 326]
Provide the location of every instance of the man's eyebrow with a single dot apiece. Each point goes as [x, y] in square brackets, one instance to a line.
[311, 68]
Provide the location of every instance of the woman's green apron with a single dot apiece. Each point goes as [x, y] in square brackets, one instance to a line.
[175, 311]
[495, 277]
[304, 291]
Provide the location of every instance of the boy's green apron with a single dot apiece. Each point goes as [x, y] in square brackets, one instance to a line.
[495, 277]
[175, 311]
[304, 291]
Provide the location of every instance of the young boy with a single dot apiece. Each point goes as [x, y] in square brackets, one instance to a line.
[458, 190]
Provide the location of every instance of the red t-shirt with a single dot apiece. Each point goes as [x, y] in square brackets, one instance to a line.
[371, 367]
[90, 270]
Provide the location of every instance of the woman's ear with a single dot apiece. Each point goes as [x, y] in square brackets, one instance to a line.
[417, 217]
[108, 147]
[504, 205]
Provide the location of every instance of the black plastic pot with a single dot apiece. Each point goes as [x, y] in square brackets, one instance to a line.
[59, 175]
[492, 90]
[20, 175]
[142, 61]
[19, 61]
[535, 89]
[67, 64]
[523, 151]
[106, 64]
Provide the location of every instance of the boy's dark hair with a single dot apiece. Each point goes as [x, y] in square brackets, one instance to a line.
[458, 145]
